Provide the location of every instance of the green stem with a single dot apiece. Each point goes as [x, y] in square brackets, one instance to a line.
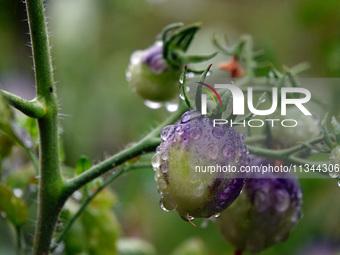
[34, 108]
[255, 139]
[19, 240]
[147, 144]
[303, 162]
[281, 154]
[184, 87]
[248, 54]
[51, 183]
[92, 196]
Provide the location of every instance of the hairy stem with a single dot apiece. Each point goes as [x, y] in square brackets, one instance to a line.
[147, 144]
[51, 182]
[34, 108]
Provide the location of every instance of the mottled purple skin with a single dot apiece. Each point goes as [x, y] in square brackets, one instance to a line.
[153, 57]
[151, 77]
[194, 141]
[265, 213]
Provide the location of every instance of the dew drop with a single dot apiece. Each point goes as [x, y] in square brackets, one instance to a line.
[3, 215]
[162, 206]
[164, 167]
[181, 78]
[161, 184]
[128, 77]
[164, 156]
[189, 116]
[334, 175]
[261, 202]
[227, 152]
[339, 183]
[136, 57]
[181, 96]
[157, 175]
[218, 132]
[152, 105]
[171, 107]
[217, 215]
[282, 200]
[195, 133]
[299, 194]
[295, 217]
[199, 191]
[171, 136]
[191, 218]
[213, 151]
[155, 161]
[166, 132]
[185, 117]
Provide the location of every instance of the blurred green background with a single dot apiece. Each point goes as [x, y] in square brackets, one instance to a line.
[92, 43]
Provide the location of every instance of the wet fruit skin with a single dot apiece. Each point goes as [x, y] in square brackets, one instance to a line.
[264, 214]
[151, 77]
[194, 142]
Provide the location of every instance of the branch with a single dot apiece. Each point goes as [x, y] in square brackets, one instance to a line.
[147, 144]
[281, 154]
[51, 182]
[34, 109]
[311, 164]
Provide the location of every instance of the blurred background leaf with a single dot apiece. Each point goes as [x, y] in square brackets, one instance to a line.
[92, 43]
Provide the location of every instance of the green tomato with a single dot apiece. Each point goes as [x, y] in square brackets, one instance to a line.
[286, 137]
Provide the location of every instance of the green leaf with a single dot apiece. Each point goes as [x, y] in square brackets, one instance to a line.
[199, 88]
[14, 207]
[32, 127]
[168, 29]
[198, 59]
[82, 165]
[220, 109]
[336, 126]
[22, 178]
[101, 227]
[183, 37]
[5, 146]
